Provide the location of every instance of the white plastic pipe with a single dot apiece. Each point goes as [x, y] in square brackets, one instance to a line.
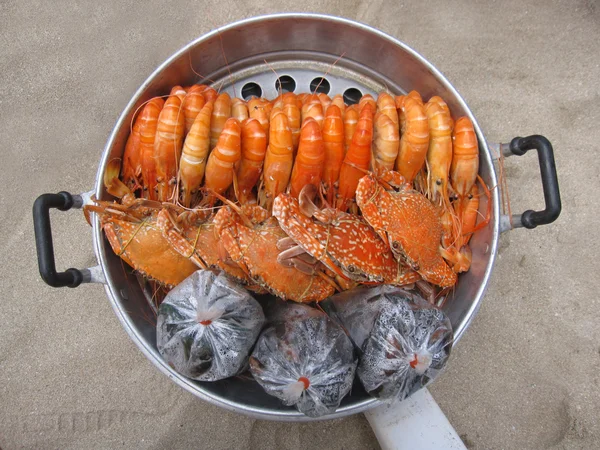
[416, 423]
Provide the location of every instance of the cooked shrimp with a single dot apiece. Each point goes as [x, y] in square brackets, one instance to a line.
[222, 160]
[195, 154]
[221, 112]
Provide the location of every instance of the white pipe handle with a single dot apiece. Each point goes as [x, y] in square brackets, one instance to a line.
[416, 423]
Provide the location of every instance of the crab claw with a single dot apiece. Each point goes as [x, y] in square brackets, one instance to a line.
[343, 242]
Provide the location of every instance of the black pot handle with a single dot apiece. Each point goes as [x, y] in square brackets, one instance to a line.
[62, 201]
[519, 146]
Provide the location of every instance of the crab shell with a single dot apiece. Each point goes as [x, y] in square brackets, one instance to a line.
[410, 224]
[140, 243]
[198, 242]
[254, 248]
[344, 243]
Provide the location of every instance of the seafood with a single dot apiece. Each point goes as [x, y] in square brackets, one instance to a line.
[399, 100]
[221, 112]
[386, 143]
[167, 144]
[313, 108]
[133, 234]
[386, 105]
[344, 242]
[257, 109]
[254, 148]
[468, 209]
[148, 123]
[455, 242]
[197, 241]
[308, 166]
[333, 139]
[439, 154]
[279, 161]
[194, 155]
[381, 171]
[239, 109]
[414, 141]
[291, 109]
[132, 157]
[179, 92]
[444, 107]
[250, 236]
[338, 100]
[357, 159]
[192, 104]
[465, 159]
[114, 186]
[302, 98]
[210, 95]
[350, 121]
[409, 223]
[367, 99]
[221, 162]
[325, 100]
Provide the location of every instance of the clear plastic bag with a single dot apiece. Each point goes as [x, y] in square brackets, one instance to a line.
[404, 341]
[304, 359]
[207, 326]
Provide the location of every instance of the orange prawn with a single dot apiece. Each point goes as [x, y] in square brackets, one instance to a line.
[386, 105]
[338, 100]
[192, 104]
[254, 147]
[350, 121]
[308, 166]
[386, 143]
[325, 100]
[414, 141]
[313, 108]
[465, 159]
[367, 99]
[222, 160]
[210, 95]
[279, 160]
[195, 154]
[302, 98]
[291, 109]
[468, 210]
[333, 139]
[132, 158]
[257, 110]
[439, 154]
[399, 100]
[168, 144]
[357, 159]
[444, 106]
[179, 92]
[148, 122]
[221, 112]
[239, 109]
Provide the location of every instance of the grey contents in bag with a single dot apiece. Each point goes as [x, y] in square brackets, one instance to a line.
[207, 325]
[304, 359]
[404, 340]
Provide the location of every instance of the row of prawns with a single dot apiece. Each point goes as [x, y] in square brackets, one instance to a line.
[315, 196]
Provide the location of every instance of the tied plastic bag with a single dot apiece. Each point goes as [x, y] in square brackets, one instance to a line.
[207, 326]
[404, 340]
[304, 359]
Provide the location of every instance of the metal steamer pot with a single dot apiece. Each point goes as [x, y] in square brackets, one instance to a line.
[300, 49]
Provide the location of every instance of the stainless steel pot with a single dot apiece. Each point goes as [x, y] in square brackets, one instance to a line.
[300, 48]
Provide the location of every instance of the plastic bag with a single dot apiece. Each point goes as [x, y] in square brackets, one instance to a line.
[404, 340]
[207, 326]
[304, 359]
